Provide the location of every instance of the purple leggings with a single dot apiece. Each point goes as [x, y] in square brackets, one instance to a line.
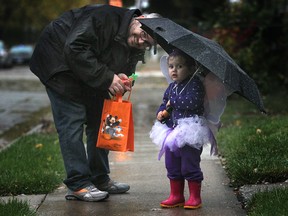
[184, 163]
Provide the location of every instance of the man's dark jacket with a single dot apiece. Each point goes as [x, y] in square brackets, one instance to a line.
[80, 52]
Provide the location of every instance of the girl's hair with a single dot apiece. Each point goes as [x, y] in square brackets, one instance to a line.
[188, 60]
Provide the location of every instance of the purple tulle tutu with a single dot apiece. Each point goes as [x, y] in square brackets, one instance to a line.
[192, 131]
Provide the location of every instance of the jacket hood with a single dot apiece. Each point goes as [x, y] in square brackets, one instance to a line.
[123, 30]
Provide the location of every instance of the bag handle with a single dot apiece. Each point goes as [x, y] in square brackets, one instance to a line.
[119, 97]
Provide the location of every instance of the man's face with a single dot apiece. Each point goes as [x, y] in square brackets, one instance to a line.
[138, 38]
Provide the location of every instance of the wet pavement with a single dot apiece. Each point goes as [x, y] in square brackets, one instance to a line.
[19, 109]
[145, 174]
[21, 96]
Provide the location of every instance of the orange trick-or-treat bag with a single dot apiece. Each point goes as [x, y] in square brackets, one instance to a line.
[116, 132]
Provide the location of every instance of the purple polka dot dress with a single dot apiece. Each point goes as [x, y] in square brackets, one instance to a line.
[186, 124]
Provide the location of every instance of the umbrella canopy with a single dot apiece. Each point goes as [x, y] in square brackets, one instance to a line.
[169, 35]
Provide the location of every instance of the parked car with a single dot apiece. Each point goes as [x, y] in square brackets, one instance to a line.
[21, 54]
[5, 60]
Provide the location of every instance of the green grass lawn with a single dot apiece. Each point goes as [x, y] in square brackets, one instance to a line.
[254, 150]
[32, 165]
[15, 208]
[269, 203]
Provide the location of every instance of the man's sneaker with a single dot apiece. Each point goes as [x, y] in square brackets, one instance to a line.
[89, 193]
[113, 187]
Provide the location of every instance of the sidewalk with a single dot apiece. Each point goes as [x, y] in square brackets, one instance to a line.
[149, 186]
[145, 174]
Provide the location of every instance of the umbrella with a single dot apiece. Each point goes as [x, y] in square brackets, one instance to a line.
[209, 54]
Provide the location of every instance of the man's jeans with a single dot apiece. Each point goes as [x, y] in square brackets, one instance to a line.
[70, 119]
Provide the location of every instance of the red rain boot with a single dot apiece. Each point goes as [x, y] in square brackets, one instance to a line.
[194, 201]
[176, 197]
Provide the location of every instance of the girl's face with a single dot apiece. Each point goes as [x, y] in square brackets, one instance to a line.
[178, 69]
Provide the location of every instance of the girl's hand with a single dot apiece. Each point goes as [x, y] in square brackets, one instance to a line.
[160, 116]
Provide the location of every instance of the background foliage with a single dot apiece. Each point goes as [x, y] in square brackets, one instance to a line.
[21, 19]
[253, 32]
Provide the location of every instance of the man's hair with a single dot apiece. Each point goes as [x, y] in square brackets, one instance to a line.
[152, 15]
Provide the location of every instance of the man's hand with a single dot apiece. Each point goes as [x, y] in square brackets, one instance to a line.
[118, 85]
[126, 81]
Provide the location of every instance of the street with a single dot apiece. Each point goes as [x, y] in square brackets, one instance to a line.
[21, 96]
